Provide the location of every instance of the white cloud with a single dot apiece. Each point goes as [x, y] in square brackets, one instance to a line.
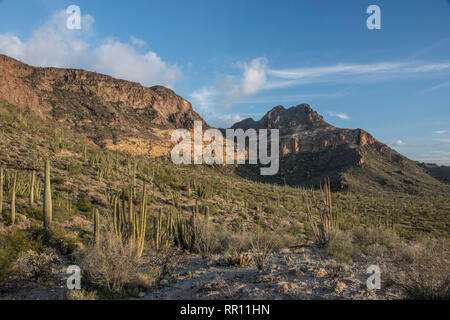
[282, 78]
[122, 61]
[436, 87]
[253, 80]
[254, 77]
[397, 143]
[339, 115]
[440, 131]
[227, 120]
[205, 102]
[137, 42]
[203, 99]
[52, 44]
[257, 76]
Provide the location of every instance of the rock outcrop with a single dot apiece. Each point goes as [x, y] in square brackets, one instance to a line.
[311, 150]
[114, 113]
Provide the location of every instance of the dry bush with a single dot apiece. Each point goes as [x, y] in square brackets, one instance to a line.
[206, 242]
[236, 247]
[39, 267]
[110, 264]
[163, 263]
[337, 270]
[423, 270]
[236, 242]
[262, 245]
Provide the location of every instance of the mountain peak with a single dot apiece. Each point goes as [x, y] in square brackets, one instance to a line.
[281, 118]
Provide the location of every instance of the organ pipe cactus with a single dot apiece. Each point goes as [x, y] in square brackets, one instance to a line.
[129, 225]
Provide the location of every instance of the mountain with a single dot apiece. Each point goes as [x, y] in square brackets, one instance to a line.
[122, 115]
[312, 149]
[439, 172]
[115, 114]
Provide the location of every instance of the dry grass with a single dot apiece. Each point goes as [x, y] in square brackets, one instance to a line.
[423, 271]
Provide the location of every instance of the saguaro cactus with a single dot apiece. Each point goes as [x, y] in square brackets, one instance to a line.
[32, 183]
[47, 197]
[1, 190]
[96, 226]
[13, 200]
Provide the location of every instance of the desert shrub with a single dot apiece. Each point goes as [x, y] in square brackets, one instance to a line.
[337, 270]
[35, 213]
[56, 239]
[74, 168]
[262, 244]
[271, 209]
[423, 271]
[109, 265]
[163, 263]
[39, 267]
[58, 180]
[84, 204]
[341, 246]
[11, 245]
[365, 237]
[235, 242]
[205, 241]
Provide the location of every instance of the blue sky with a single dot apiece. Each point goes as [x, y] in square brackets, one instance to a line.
[236, 59]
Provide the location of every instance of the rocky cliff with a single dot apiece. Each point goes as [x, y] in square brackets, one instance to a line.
[311, 150]
[114, 113]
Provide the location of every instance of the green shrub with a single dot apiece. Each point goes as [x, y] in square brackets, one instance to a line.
[35, 213]
[366, 237]
[74, 168]
[341, 246]
[58, 180]
[11, 245]
[84, 204]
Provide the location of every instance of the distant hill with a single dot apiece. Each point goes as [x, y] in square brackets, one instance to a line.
[439, 172]
[312, 150]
